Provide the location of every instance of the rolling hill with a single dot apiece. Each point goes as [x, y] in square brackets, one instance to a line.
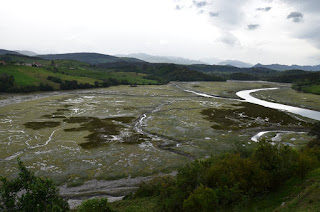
[236, 63]
[279, 67]
[162, 59]
[4, 51]
[91, 58]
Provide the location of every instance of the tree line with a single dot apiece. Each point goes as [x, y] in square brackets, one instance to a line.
[7, 84]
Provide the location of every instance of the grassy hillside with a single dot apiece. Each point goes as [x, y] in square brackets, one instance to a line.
[91, 58]
[81, 68]
[33, 76]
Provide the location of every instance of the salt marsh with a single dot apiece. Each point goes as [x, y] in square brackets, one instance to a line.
[124, 133]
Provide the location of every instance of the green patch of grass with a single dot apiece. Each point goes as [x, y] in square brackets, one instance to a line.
[41, 124]
[20, 74]
[101, 130]
[133, 77]
[27, 76]
[315, 89]
[130, 77]
[247, 115]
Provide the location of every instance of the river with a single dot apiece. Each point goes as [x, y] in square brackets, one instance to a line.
[245, 94]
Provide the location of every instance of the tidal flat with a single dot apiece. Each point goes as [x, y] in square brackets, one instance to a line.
[124, 132]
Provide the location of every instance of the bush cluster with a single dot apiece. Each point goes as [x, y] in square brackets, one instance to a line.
[30, 193]
[230, 180]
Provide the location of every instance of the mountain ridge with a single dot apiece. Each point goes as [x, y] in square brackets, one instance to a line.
[279, 67]
[161, 59]
[88, 57]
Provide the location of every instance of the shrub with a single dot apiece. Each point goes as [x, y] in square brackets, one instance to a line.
[235, 178]
[6, 82]
[153, 187]
[30, 193]
[278, 160]
[202, 199]
[54, 79]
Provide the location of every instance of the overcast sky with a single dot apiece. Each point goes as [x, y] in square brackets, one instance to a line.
[264, 31]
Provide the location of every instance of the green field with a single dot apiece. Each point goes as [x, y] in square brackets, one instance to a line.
[315, 89]
[26, 76]
[33, 76]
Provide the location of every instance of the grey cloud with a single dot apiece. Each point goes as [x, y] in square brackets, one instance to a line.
[178, 7]
[253, 26]
[295, 16]
[312, 34]
[230, 14]
[212, 14]
[200, 4]
[229, 39]
[264, 9]
[305, 5]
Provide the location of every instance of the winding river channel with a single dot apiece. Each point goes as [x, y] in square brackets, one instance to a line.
[245, 94]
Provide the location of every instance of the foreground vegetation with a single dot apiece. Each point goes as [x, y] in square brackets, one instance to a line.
[242, 180]
[30, 193]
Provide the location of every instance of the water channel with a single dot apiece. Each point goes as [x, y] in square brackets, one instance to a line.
[245, 94]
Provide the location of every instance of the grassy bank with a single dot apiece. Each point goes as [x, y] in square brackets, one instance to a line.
[315, 89]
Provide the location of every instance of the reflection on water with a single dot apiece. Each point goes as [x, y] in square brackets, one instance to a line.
[245, 94]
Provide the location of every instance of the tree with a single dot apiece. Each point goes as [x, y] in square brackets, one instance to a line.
[30, 193]
[315, 130]
[96, 84]
[95, 205]
[6, 82]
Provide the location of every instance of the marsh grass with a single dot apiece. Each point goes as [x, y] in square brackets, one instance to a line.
[41, 124]
[101, 119]
[101, 130]
[248, 115]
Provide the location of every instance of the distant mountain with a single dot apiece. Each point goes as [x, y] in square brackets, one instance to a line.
[228, 69]
[3, 51]
[279, 67]
[162, 59]
[210, 61]
[28, 53]
[92, 58]
[236, 63]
